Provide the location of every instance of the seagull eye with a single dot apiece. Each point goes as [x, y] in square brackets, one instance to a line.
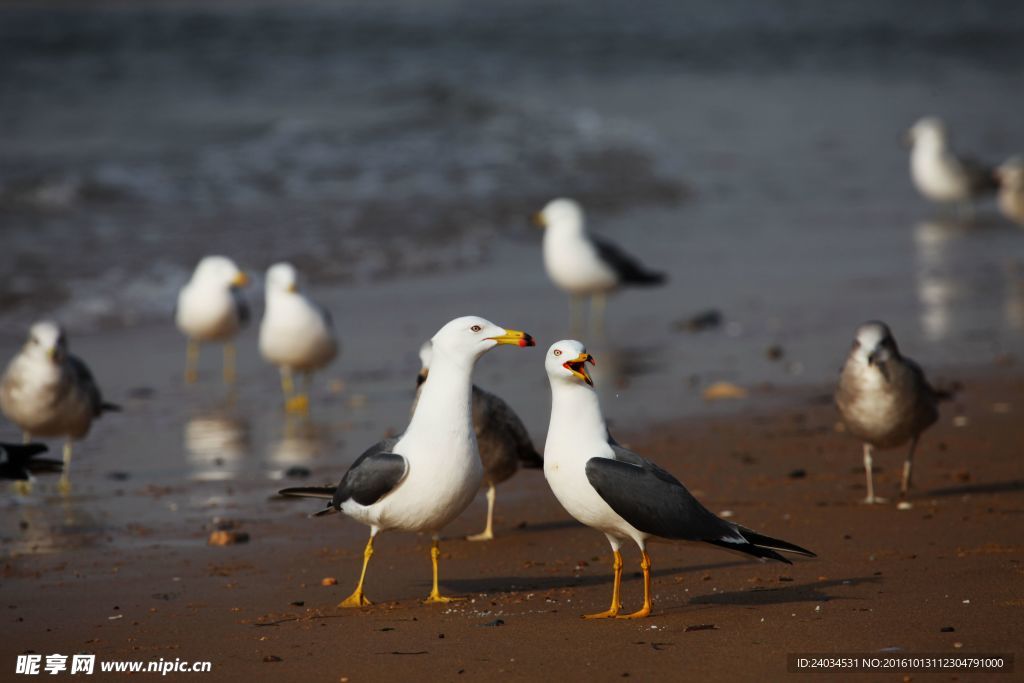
[476, 328]
[558, 352]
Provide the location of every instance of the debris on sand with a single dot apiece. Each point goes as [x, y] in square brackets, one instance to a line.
[705, 320]
[723, 391]
[701, 627]
[328, 581]
[224, 537]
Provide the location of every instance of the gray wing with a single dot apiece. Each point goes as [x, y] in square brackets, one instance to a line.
[374, 474]
[83, 380]
[499, 429]
[241, 306]
[629, 270]
[655, 502]
[652, 500]
[980, 177]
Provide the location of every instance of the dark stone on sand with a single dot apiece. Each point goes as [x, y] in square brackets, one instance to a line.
[702, 627]
[272, 658]
[798, 474]
[947, 629]
[297, 472]
[297, 603]
[705, 320]
[141, 393]
[774, 352]
[118, 476]
[496, 622]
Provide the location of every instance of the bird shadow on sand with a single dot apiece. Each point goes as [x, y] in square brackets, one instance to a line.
[806, 592]
[991, 487]
[521, 584]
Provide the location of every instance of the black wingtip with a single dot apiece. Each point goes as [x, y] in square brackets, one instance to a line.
[531, 460]
[774, 543]
[24, 450]
[308, 492]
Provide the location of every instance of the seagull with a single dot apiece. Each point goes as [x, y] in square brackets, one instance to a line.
[211, 308]
[583, 264]
[939, 173]
[48, 392]
[501, 438]
[19, 462]
[1011, 189]
[615, 491]
[296, 334]
[884, 399]
[425, 478]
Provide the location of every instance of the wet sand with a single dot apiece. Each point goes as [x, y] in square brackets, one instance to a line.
[943, 577]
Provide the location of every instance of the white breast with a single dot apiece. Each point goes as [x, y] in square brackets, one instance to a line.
[938, 175]
[207, 313]
[572, 262]
[294, 334]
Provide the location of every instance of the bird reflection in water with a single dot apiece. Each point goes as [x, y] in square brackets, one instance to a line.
[300, 445]
[216, 444]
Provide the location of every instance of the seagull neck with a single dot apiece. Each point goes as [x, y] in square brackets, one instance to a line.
[444, 404]
[576, 412]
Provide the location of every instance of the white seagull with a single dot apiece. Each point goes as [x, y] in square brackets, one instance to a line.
[296, 334]
[1011, 189]
[586, 265]
[425, 478]
[884, 399]
[48, 392]
[617, 492]
[939, 173]
[501, 438]
[211, 308]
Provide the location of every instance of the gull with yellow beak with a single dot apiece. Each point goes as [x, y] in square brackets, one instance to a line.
[583, 264]
[211, 308]
[611, 489]
[425, 478]
[47, 392]
[296, 334]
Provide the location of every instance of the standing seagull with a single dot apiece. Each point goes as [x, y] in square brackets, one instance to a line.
[939, 173]
[423, 479]
[19, 462]
[296, 334]
[48, 392]
[212, 309]
[615, 491]
[501, 438]
[1011, 189]
[583, 264]
[884, 399]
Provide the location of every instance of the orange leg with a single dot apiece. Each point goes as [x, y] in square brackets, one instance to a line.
[616, 583]
[645, 564]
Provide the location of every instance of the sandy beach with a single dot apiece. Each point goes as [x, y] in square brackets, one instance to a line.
[941, 577]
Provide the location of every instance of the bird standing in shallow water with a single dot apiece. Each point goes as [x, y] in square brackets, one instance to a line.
[425, 478]
[884, 399]
[1011, 189]
[296, 334]
[48, 392]
[586, 265]
[211, 308]
[939, 173]
[615, 491]
[501, 438]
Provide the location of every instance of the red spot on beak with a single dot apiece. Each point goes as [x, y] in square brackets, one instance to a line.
[527, 341]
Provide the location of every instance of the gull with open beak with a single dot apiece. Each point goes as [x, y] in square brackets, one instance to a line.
[211, 308]
[425, 478]
[613, 490]
[296, 334]
[884, 399]
[48, 392]
[583, 264]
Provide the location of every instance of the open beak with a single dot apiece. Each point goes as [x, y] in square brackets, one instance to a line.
[514, 338]
[538, 220]
[578, 367]
[241, 280]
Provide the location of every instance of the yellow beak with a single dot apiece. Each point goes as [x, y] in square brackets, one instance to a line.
[538, 220]
[293, 288]
[514, 338]
[241, 280]
[578, 367]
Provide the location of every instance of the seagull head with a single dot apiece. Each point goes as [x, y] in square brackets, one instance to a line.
[426, 353]
[927, 131]
[282, 277]
[46, 340]
[1010, 173]
[470, 337]
[567, 362]
[220, 270]
[874, 343]
[560, 214]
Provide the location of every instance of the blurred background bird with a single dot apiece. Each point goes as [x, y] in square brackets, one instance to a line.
[211, 308]
[940, 174]
[48, 392]
[296, 334]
